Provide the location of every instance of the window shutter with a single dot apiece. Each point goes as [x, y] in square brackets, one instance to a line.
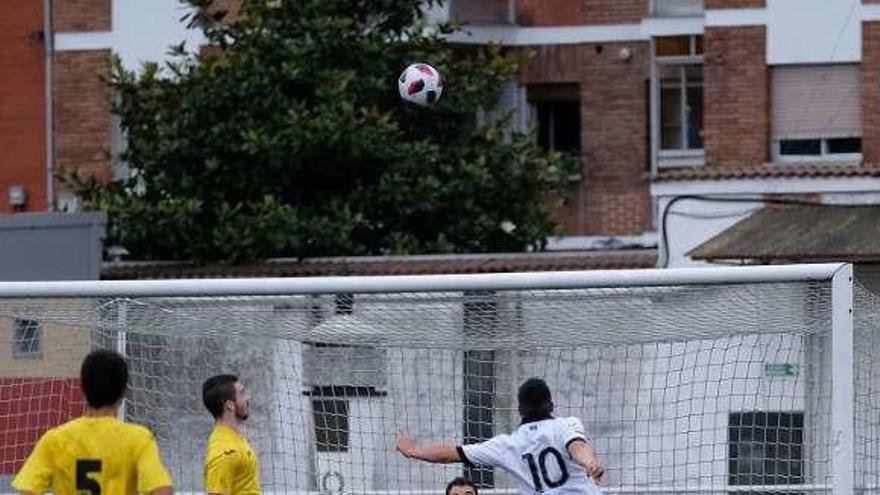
[815, 101]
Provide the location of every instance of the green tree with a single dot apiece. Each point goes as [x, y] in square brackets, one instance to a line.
[289, 139]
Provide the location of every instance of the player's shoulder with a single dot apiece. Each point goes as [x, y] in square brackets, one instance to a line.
[135, 434]
[570, 423]
[74, 427]
[222, 443]
[573, 422]
[136, 430]
[49, 436]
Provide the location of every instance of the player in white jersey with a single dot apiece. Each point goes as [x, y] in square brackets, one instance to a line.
[546, 455]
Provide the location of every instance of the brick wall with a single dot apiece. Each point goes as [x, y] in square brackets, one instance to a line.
[82, 15]
[734, 4]
[871, 91]
[614, 119]
[614, 11]
[549, 12]
[82, 112]
[568, 12]
[22, 103]
[554, 64]
[612, 198]
[736, 96]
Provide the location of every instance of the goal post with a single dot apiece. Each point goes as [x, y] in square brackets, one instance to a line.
[717, 380]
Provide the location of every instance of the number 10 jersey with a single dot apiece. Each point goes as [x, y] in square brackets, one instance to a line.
[536, 454]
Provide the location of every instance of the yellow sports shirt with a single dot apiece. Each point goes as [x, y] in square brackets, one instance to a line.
[231, 467]
[94, 455]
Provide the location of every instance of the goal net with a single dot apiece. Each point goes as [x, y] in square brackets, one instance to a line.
[705, 381]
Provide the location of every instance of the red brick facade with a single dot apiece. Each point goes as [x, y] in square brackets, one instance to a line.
[614, 11]
[82, 15]
[871, 91]
[735, 4]
[736, 101]
[567, 12]
[82, 112]
[614, 122]
[612, 198]
[554, 64]
[22, 103]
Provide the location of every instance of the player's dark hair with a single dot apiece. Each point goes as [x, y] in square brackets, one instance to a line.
[216, 391]
[461, 482]
[534, 399]
[103, 377]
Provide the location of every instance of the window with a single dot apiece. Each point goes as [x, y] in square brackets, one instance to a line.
[27, 339]
[331, 425]
[765, 448]
[558, 112]
[676, 8]
[833, 148]
[816, 113]
[681, 108]
[677, 101]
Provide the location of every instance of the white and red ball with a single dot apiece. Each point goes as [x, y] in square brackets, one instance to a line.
[420, 84]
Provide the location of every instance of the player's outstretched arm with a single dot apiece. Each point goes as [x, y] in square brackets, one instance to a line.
[438, 453]
[583, 454]
[165, 490]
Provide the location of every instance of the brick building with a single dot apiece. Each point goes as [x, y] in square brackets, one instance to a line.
[686, 114]
[690, 113]
[662, 100]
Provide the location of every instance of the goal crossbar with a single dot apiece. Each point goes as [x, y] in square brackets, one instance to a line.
[423, 283]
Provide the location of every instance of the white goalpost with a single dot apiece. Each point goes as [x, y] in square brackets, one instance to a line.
[760, 379]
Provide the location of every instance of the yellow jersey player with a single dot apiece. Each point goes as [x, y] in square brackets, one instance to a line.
[96, 454]
[231, 467]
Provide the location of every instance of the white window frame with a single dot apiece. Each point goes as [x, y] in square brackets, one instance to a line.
[672, 158]
[823, 156]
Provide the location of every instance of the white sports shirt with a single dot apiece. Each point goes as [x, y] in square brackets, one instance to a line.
[536, 454]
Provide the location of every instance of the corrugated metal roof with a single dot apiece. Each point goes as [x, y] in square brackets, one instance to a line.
[799, 233]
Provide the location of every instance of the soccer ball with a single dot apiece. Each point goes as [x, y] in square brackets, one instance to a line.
[420, 84]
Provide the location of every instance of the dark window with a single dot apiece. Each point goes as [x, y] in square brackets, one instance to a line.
[559, 126]
[672, 46]
[678, 46]
[27, 338]
[844, 145]
[800, 147]
[765, 448]
[558, 111]
[331, 425]
[482, 12]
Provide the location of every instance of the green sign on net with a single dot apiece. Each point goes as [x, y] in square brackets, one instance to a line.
[780, 369]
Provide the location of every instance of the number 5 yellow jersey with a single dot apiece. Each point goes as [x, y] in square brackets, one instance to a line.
[94, 456]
